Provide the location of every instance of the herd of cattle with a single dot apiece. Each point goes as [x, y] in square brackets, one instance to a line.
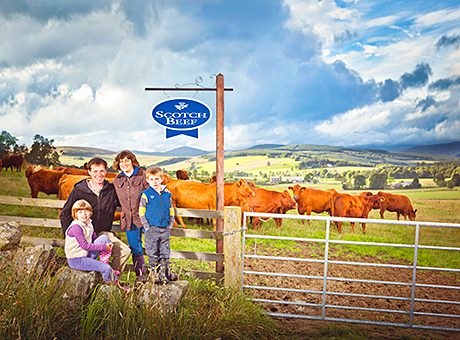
[193, 194]
[12, 161]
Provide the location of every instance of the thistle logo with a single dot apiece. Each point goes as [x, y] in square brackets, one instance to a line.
[181, 116]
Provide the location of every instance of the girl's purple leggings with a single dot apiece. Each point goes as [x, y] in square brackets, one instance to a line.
[90, 263]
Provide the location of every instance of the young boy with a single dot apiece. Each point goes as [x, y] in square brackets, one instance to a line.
[157, 217]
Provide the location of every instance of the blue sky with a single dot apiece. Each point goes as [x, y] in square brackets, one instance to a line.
[343, 73]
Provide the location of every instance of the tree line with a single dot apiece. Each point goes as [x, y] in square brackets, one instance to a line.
[40, 152]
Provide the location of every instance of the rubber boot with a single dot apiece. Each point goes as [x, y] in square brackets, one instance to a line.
[139, 262]
[169, 274]
[145, 274]
[161, 278]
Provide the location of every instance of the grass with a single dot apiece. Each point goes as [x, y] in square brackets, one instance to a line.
[211, 311]
[36, 308]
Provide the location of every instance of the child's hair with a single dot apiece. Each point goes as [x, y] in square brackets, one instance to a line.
[124, 154]
[95, 161]
[153, 170]
[81, 205]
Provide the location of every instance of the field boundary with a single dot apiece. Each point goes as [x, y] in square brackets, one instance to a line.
[325, 294]
[228, 215]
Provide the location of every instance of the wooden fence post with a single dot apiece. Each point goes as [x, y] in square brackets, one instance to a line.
[232, 248]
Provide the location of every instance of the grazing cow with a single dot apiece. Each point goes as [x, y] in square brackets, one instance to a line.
[396, 203]
[197, 195]
[44, 180]
[67, 182]
[309, 200]
[345, 205]
[82, 172]
[269, 201]
[182, 174]
[11, 161]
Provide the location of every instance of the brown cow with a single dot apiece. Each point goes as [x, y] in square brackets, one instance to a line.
[396, 203]
[67, 182]
[269, 201]
[44, 180]
[197, 195]
[11, 161]
[346, 205]
[309, 200]
[182, 174]
[81, 172]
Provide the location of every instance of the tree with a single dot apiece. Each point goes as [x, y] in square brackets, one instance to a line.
[378, 180]
[450, 184]
[439, 179]
[8, 144]
[43, 152]
[415, 184]
[359, 181]
[456, 179]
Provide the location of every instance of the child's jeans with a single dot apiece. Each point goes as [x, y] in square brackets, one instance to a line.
[157, 244]
[90, 263]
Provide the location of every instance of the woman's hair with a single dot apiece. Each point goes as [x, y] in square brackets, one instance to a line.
[81, 205]
[124, 154]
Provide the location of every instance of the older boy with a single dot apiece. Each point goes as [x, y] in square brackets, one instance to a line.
[157, 217]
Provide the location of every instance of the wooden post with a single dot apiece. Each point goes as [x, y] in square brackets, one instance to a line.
[219, 161]
[232, 248]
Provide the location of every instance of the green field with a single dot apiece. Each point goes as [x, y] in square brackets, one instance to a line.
[432, 204]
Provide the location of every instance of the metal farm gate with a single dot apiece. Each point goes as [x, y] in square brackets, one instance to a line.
[324, 286]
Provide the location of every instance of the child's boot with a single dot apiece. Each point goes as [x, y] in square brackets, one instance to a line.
[139, 262]
[169, 274]
[145, 273]
[161, 278]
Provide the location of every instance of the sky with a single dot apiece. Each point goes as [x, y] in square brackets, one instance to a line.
[344, 73]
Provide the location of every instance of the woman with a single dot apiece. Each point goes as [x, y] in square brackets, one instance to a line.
[128, 185]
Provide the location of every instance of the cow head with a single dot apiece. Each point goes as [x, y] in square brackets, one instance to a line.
[296, 190]
[245, 189]
[412, 215]
[166, 179]
[374, 200]
[287, 201]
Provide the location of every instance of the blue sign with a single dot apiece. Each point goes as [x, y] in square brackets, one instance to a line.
[181, 116]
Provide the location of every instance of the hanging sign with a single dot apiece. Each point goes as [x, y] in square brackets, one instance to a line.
[181, 116]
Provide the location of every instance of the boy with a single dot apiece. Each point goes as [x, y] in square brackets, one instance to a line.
[157, 217]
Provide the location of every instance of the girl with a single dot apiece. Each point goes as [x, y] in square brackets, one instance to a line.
[82, 246]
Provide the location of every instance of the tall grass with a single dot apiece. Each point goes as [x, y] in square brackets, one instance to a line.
[207, 311]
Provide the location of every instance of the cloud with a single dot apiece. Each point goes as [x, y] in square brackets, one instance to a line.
[418, 77]
[444, 84]
[446, 41]
[389, 90]
[51, 9]
[426, 103]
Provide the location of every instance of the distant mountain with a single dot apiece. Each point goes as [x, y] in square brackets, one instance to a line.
[452, 149]
[82, 151]
[266, 146]
[183, 151]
